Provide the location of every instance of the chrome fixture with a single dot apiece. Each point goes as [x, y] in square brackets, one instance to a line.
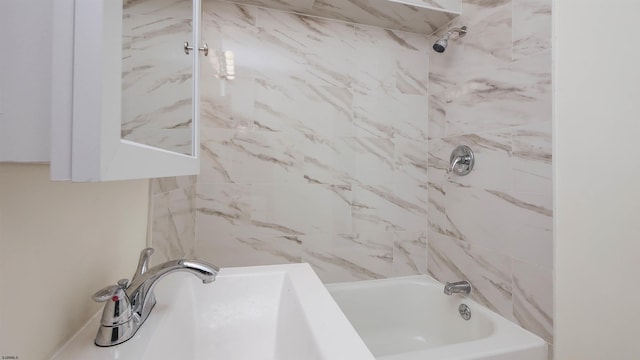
[442, 43]
[464, 311]
[461, 160]
[460, 287]
[204, 48]
[128, 304]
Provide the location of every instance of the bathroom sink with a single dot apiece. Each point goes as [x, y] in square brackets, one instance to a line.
[254, 313]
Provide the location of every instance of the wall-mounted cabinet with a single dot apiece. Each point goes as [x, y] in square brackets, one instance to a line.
[105, 91]
[120, 114]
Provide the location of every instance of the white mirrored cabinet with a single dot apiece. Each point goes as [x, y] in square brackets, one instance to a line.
[125, 89]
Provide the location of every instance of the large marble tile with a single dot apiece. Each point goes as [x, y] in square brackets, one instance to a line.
[174, 224]
[373, 115]
[218, 17]
[216, 159]
[373, 160]
[301, 209]
[412, 72]
[359, 256]
[443, 70]
[175, 8]
[305, 32]
[329, 160]
[222, 209]
[411, 162]
[166, 184]
[409, 253]
[374, 70]
[283, 105]
[255, 156]
[437, 125]
[389, 208]
[411, 117]
[160, 218]
[335, 109]
[284, 5]
[515, 95]
[533, 299]
[436, 208]
[438, 163]
[532, 158]
[231, 105]
[392, 40]
[228, 236]
[247, 250]
[532, 227]
[531, 27]
[517, 224]
[182, 206]
[258, 52]
[392, 115]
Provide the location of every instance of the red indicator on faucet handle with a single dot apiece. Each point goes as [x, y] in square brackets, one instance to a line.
[115, 298]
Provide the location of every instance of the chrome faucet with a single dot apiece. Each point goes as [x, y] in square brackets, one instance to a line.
[460, 287]
[128, 304]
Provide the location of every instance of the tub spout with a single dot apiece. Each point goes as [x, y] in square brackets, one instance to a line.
[460, 287]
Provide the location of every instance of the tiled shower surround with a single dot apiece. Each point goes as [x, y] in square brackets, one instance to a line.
[492, 91]
[331, 147]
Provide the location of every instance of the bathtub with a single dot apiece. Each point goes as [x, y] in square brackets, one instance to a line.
[410, 318]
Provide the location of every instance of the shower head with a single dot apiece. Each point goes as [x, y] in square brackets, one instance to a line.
[442, 43]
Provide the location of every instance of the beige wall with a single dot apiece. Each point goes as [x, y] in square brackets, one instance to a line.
[59, 243]
[597, 180]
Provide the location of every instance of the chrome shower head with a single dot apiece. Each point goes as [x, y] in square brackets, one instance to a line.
[442, 43]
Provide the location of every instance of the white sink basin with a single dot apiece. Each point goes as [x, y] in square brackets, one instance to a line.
[254, 313]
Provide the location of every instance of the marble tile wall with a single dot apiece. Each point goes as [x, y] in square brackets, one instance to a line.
[316, 152]
[491, 90]
[172, 218]
[331, 147]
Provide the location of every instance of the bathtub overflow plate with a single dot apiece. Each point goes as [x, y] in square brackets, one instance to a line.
[464, 311]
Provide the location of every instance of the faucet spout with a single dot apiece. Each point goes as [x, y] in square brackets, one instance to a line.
[205, 272]
[460, 287]
[140, 291]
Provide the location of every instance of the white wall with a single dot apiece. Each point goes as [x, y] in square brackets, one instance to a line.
[59, 243]
[25, 35]
[597, 180]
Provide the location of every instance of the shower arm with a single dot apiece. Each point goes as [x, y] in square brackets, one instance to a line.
[462, 31]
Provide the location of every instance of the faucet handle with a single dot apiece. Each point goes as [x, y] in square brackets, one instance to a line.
[117, 309]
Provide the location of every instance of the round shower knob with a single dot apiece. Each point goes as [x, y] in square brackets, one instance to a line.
[461, 161]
